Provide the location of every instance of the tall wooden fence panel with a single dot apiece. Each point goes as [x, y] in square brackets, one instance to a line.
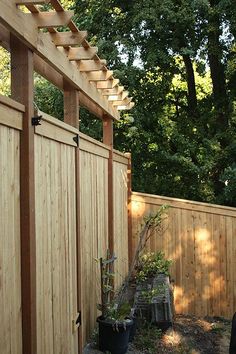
[10, 267]
[93, 225]
[201, 240]
[55, 195]
[120, 200]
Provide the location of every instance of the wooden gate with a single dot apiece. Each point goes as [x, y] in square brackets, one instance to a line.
[55, 196]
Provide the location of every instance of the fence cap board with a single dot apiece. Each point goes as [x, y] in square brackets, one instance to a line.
[7, 101]
[54, 121]
[184, 204]
[120, 157]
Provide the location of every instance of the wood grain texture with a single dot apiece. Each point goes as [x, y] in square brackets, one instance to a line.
[22, 90]
[56, 246]
[93, 231]
[200, 239]
[10, 262]
[120, 200]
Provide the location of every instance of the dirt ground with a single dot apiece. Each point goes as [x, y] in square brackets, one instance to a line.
[190, 335]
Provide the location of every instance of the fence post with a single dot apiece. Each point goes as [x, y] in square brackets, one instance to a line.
[108, 140]
[129, 206]
[71, 117]
[22, 90]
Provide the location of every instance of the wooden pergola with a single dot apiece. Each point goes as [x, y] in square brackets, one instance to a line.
[64, 58]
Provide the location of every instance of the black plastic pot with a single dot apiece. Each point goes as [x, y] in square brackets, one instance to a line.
[133, 329]
[114, 336]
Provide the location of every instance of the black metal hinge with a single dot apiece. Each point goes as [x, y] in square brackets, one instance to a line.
[36, 120]
[76, 139]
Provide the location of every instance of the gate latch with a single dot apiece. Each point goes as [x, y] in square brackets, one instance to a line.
[76, 323]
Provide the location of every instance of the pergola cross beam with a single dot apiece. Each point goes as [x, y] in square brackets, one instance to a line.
[60, 50]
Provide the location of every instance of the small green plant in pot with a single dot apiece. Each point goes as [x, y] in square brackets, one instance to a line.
[114, 323]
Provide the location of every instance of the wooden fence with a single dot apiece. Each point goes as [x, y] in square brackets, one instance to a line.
[71, 220]
[120, 187]
[201, 240]
[77, 215]
[10, 266]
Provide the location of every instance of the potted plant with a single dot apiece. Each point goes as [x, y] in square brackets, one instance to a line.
[115, 321]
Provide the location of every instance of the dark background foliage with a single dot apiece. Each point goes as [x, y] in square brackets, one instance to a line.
[177, 58]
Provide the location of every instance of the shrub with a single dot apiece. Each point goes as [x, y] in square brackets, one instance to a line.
[151, 264]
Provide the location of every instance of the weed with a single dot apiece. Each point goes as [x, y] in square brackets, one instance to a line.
[146, 339]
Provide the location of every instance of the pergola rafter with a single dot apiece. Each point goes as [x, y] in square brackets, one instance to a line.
[67, 53]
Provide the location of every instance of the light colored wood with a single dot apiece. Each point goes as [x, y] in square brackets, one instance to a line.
[93, 141]
[91, 65]
[107, 84]
[56, 246]
[129, 205]
[32, 2]
[14, 20]
[120, 157]
[71, 106]
[58, 123]
[50, 19]
[56, 133]
[10, 261]
[124, 102]
[114, 98]
[108, 140]
[113, 91]
[71, 116]
[66, 39]
[95, 149]
[50, 74]
[199, 239]
[7, 101]
[94, 232]
[120, 205]
[22, 91]
[186, 204]
[81, 53]
[10, 117]
[125, 107]
[99, 75]
[118, 97]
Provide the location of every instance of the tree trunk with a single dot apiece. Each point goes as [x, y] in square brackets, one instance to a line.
[215, 54]
[192, 94]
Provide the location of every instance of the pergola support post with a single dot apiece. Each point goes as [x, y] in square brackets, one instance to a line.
[108, 140]
[71, 117]
[129, 203]
[22, 90]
